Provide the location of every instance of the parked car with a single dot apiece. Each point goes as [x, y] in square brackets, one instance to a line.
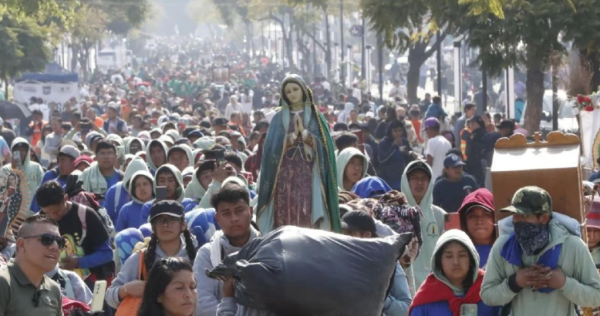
[567, 121]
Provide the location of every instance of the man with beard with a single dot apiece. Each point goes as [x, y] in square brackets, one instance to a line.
[540, 268]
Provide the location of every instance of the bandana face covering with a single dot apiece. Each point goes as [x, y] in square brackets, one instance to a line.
[532, 237]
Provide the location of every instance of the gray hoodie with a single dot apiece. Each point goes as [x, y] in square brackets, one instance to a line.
[210, 291]
[130, 271]
[463, 238]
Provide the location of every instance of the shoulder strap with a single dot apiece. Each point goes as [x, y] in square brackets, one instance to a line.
[68, 286]
[142, 271]
[81, 212]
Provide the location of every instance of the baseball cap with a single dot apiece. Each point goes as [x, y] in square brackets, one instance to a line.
[195, 133]
[84, 159]
[530, 200]
[359, 221]
[431, 122]
[166, 207]
[112, 105]
[453, 160]
[70, 151]
[592, 218]
[418, 165]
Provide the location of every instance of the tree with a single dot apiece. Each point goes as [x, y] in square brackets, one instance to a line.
[24, 47]
[531, 33]
[407, 25]
[89, 27]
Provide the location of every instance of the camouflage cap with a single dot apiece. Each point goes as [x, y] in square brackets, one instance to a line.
[530, 200]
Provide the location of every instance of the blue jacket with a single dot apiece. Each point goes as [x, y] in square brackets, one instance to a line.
[130, 216]
[109, 200]
[435, 110]
[443, 309]
[399, 299]
[391, 161]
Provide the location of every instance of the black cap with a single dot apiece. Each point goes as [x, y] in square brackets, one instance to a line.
[418, 165]
[167, 207]
[205, 124]
[359, 221]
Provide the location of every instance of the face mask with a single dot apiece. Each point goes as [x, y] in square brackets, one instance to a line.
[532, 237]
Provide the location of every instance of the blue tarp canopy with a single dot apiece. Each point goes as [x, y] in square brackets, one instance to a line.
[52, 73]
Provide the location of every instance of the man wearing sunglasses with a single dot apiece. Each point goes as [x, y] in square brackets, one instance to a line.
[24, 287]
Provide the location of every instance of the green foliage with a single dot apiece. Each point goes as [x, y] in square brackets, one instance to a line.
[24, 47]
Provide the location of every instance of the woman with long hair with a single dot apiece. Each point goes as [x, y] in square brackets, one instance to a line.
[455, 282]
[170, 238]
[171, 289]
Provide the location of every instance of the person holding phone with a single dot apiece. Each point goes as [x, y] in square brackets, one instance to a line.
[170, 238]
[169, 177]
[222, 171]
[452, 289]
[32, 170]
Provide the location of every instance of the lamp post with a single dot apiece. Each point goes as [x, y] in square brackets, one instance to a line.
[368, 71]
[457, 76]
[349, 74]
[510, 93]
[342, 81]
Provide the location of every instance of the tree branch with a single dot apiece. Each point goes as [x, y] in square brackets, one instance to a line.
[438, 43]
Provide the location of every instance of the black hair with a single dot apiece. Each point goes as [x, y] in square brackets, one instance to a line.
[233, 159]
[468, 107]
[50, 193]
[392, 126]
[37, 112]
[150, 254]
[25, 230]
[468, 281]
[105, 144]
[254, 135]
[456, 151]
[345, 140]
[230, 192]
[437, 100]
[391, 114]
[337, 127]
[159, 277]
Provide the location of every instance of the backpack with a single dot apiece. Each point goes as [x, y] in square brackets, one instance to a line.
[106, 221]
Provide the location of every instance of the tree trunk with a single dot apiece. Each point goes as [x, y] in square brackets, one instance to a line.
[75, 51]
[535, 92]
[328, 52]
[593, 59]
[415, 59]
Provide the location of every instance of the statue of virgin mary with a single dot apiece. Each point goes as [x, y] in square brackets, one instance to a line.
[298, 171]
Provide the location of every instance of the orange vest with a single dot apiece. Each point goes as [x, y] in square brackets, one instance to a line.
[463, 143]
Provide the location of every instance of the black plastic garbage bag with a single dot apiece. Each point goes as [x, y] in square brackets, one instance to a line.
[295, 271]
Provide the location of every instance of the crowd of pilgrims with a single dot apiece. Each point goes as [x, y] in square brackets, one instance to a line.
[147, 188]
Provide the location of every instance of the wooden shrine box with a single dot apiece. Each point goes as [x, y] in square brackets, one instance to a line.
[552, 165]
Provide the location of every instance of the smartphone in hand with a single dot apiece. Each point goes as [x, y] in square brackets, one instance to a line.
[219, 157]
[161, 193]
[17, 158]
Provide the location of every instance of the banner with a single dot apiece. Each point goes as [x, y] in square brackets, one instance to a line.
[48, 92]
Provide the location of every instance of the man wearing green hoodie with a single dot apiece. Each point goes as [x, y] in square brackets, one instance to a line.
[170, 177]
[417, 186]
[31, 170]
[540, 268]
[200, 181]
[351, 167]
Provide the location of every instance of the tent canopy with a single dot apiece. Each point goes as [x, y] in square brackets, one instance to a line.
[52, 73]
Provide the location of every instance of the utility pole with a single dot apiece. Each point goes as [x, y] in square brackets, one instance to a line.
[439, 65]
[363, 58]
[342, 47]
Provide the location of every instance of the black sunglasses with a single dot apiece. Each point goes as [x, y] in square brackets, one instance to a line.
[48, 239]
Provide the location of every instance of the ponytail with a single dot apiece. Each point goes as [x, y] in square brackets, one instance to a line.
[189, 245]
[150, 255]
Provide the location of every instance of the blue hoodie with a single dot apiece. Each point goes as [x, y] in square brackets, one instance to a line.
[130, 215]
[188, 204]
[121, 189]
